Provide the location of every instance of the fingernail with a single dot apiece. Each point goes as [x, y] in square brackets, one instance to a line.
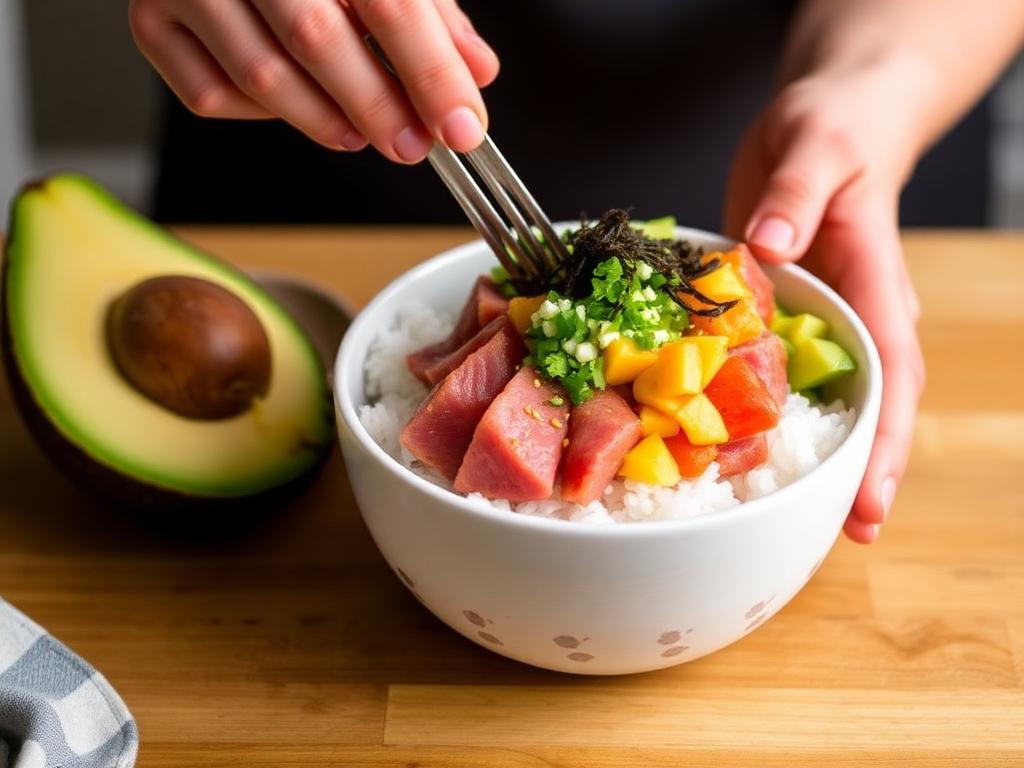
[412, 144]
[462, 130]
[875, 529]
[773, 234]
[354, 141]
[887, 494]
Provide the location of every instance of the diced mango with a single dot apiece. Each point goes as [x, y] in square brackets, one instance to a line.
[677, 371]
[781, 324]
[724, 284]
[655, 422]
[650, 462]
[788, 346]
[646, 392]
[713, 352]
[733, 258]
[701, 421]
[805, 326]
[739, 324]
[521, 309]
[624, 361]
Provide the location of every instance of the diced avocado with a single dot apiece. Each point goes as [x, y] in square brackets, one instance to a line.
[817, 361]
[806, 326]
[658, 229]
[814, 395]
[780, 312]
[104, 311]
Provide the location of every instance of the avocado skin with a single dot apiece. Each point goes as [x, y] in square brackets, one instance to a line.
[114, 488]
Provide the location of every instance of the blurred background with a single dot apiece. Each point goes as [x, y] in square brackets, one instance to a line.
[76, 94]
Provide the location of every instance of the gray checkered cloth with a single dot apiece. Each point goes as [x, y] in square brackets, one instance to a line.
[56, 711]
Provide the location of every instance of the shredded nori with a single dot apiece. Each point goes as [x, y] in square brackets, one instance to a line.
[612, 236]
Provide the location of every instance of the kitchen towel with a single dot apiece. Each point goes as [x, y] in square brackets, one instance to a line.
[56, 711]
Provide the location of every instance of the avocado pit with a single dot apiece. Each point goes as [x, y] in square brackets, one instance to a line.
[190, 345]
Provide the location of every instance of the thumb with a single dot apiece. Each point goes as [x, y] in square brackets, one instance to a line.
[814, 165]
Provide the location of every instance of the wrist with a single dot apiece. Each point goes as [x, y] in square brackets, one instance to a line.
[884, 100]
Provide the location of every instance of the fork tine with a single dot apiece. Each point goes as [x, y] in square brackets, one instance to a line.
[495, 162]
[479, 210]
[539, 257]
[525, 258]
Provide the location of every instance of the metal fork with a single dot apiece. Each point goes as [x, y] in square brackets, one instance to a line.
[520, 251]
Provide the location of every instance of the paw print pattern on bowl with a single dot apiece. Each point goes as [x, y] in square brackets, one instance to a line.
[579, 656]
[477, 620]
[757, 614]
[571, 642]
[671, 638]
[410, 584]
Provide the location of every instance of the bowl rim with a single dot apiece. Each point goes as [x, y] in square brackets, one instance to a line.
[866, 417]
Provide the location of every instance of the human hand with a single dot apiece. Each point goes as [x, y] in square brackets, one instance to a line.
[817, 178]
[306, 61]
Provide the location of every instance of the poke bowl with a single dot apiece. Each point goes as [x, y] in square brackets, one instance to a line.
[596, 592]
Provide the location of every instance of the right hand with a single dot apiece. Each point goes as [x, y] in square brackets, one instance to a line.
[306, 61]
[817, 178]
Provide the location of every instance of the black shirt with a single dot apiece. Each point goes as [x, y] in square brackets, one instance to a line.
[599, 104]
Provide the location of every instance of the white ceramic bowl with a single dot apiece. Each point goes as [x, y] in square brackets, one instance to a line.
[600, 599]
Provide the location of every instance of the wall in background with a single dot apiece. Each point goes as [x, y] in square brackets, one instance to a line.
[92, 98]
[1008, 148]
[14, 142]
[84, 98]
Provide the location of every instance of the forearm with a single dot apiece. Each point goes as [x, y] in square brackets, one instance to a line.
[937, 57]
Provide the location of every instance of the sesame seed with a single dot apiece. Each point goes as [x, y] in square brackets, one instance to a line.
[536, 383]
[565, 442]
[556, 423]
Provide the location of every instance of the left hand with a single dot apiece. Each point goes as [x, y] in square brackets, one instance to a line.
[817, 178]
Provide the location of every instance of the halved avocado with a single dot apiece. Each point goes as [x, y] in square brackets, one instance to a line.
[75, 259]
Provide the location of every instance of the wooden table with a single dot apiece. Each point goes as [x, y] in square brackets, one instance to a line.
[293, 644]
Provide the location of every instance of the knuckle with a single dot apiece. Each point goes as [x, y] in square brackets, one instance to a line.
[830, 134]
[206, 101]
[262, 75]
[315, 31]
[436, 77]
[381, 103]
[384, 13]
[141, 21]
[792, 185]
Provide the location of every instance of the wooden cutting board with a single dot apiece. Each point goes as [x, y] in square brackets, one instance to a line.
[292, 644]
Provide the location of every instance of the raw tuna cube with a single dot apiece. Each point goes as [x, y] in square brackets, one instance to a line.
[739, 456]
[484, 304]
[489, 301]
[760, 284]
[601, 431]
[518, 443]
[441, 430]
[767, 357]
[446, 365]
[743, 401]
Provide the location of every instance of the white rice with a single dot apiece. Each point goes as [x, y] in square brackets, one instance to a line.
[805, 436]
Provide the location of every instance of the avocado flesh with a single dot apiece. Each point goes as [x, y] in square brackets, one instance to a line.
[658, 229]
[817, 361]
[73, 250]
